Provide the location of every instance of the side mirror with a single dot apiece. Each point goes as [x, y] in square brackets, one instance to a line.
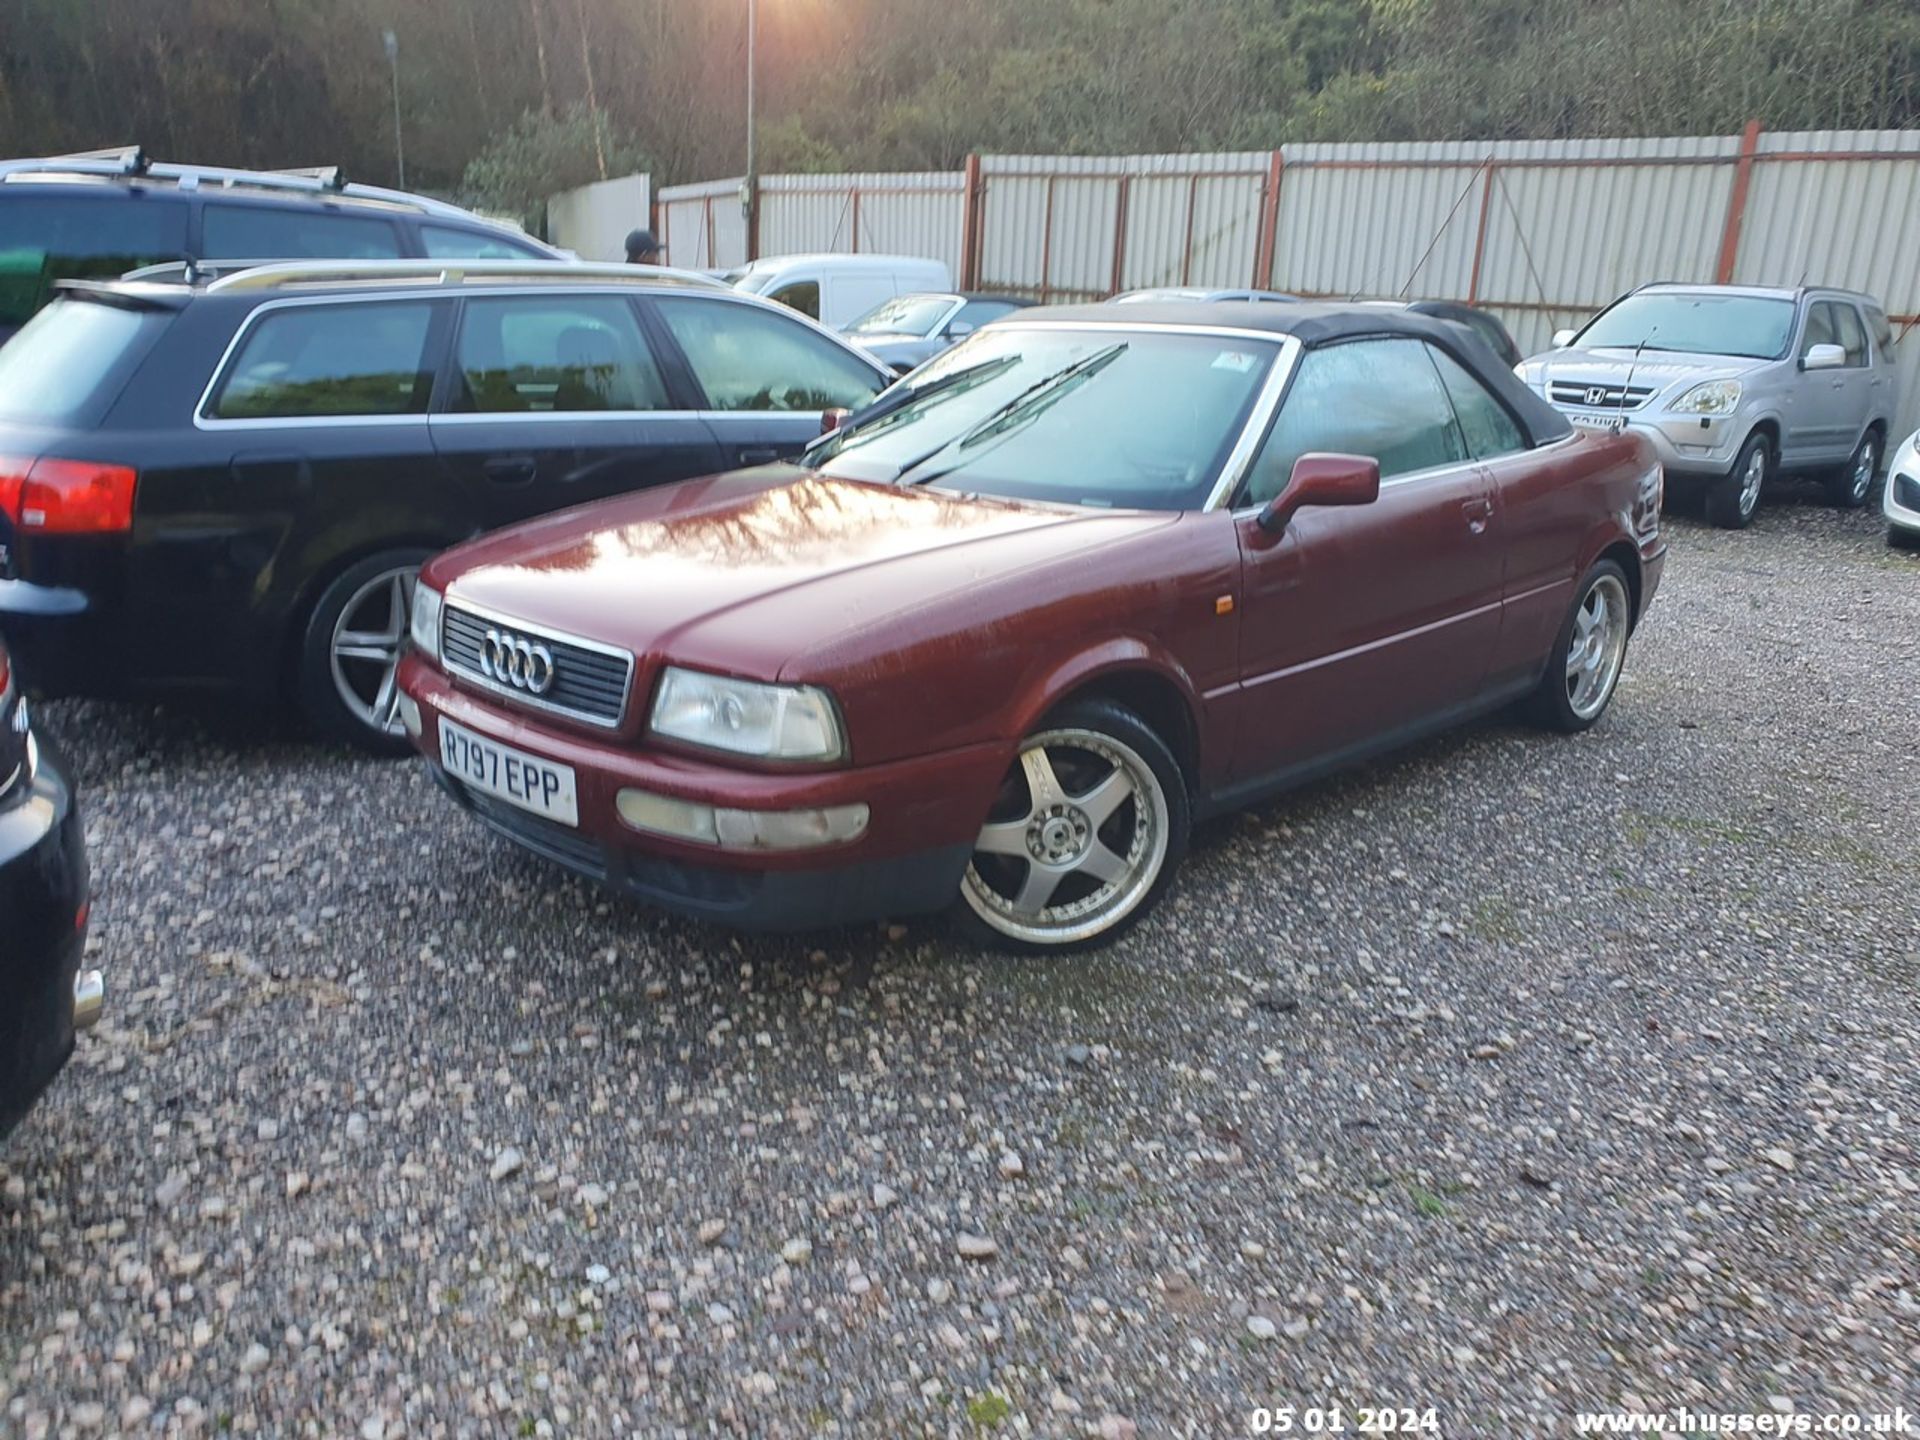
[1322, 479]
[1562, 339]
[959, 330]
[1824, 357]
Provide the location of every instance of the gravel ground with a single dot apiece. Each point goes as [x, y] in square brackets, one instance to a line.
[1513, 1077]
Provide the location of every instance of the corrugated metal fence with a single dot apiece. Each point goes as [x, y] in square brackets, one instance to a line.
[1543, 233]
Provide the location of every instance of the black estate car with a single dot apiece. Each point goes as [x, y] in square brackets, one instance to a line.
[97, 215]
[229, 486]
[44, 997]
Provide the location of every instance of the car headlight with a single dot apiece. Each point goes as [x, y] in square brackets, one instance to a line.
[744, 717]
[1714, 397]
[425, 630]
[1906, 460]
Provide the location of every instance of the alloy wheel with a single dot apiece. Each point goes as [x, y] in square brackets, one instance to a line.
[1075, 841]
[1752, 479]
[1597, 647]
[368, 639]
[1865, 463]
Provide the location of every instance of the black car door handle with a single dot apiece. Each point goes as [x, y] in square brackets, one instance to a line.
[758, 455]
[509, 469]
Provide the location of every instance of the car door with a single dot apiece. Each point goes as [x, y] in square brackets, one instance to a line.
[1857, 383]
[557, 398]
[764, 377]
[1360, 623]
[309, 444]
[1544, 518]
[1821, 425]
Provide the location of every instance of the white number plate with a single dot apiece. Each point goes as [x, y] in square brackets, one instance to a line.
[520, 779]
[1598, 422]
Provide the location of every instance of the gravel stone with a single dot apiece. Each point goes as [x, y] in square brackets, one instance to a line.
[1264, 1088]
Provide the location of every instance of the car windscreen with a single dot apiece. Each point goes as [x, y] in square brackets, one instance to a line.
[903, 315]
[1695, 322]
[1113, 417]
[66, 364]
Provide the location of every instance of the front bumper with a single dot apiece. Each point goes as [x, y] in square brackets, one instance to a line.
[1692, 446]
[1901, 503]
[925, 814]
[43, 899]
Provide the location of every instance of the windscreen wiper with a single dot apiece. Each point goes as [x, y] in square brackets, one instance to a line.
[865, 423]
[1028, 405]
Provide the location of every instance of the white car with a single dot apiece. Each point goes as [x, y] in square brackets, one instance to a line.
[1902, 498]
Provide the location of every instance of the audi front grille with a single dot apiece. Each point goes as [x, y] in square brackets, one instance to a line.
[584, 681]
[1599, 397]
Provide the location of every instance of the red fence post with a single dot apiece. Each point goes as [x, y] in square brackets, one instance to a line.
[1120, 235]
[973, 197]
[1480, 239]
[1269, 234]
[1737, 204]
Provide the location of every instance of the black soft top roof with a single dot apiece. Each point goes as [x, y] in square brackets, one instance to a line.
[1314, 324]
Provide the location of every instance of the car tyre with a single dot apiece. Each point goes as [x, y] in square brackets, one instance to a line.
[1851, 486]
[1734, 500]
[1588, 654]
[350, 652]
[1083, 838]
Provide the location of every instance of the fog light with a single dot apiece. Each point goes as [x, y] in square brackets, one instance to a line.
[410, 715]
[731, 829]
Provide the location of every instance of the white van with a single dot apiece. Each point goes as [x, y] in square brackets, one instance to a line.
[837, 290]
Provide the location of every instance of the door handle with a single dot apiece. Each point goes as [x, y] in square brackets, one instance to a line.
[758, 455]
[510, 469]
[1479, 512]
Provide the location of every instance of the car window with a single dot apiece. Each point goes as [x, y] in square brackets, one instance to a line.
[555, 353]
[1381, 398]
[358, 359]
[49, 238]
[1705, 322]
[1822, 328]
[444, 242]
[1484, 422]
[978, 312]
[1853, 335]
[271, 232]
[749, 358]
[801, 295]
[903, 315]
[63, 368]
[1882, 333]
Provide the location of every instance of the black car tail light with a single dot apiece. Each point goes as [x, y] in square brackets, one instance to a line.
[49, 496]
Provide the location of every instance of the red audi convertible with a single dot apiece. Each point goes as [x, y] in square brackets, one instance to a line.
[1008, 633]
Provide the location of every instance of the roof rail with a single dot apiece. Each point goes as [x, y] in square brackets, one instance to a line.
[322, 180]
[287, 274]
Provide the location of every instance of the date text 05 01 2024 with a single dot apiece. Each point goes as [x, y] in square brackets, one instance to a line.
[1339, 1420]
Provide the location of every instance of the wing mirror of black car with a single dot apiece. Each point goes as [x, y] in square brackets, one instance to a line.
[1824, 357]
[959, 330]
[1323, 479]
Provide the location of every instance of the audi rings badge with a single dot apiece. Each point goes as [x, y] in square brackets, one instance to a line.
[514, 660]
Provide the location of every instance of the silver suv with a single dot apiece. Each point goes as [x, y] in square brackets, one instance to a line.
[1734, 384]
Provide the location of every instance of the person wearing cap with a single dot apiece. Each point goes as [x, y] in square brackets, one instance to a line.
[642, 248]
